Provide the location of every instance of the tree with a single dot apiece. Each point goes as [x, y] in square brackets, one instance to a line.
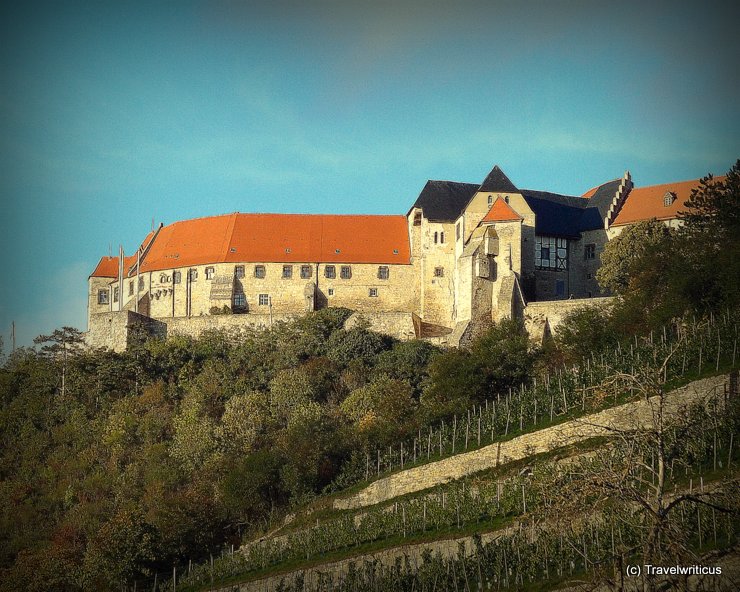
[59, 346]
[408, 361]
[244, 420]
[585, 331]
[381, 411]
[629, 479]
[711, 238]
[621, 257]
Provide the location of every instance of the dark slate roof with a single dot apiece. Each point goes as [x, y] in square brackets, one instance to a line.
[498, 181]
[444, 201]
[562, 215]
[603, 196]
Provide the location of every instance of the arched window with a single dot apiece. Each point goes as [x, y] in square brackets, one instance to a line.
[442, 237]
[435, 238]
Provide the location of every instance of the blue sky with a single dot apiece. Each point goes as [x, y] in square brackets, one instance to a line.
[112, 114]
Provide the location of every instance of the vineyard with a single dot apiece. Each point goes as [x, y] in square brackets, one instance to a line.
[527, 508]
[571, 392]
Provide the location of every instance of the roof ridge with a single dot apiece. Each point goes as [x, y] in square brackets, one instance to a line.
[697, 180]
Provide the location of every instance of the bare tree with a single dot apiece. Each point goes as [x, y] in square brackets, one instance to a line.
[630, 478]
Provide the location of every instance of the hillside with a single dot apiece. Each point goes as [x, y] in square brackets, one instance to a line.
[386, 530]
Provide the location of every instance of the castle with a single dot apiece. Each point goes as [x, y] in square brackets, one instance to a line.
[463, 255]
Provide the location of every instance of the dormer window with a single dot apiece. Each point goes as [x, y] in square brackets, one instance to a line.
[668, 199]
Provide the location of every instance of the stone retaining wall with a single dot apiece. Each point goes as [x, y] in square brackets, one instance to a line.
[543, 317]
[401, 325]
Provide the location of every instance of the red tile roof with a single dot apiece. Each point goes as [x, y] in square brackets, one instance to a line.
[645, 203]
[272, 238]
[108, 266]
[501, 212]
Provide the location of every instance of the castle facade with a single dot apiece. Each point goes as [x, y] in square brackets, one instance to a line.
[463, 255]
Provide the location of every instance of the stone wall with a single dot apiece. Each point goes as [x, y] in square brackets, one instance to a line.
[196, 326]
[434, 292]
[112, 329]
[401, 325]
[445, 548]
[194, 295]
[583, 281]
[629, 415]
[551, 313]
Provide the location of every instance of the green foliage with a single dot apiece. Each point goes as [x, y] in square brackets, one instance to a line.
[622, 256]
[585, 331]
[499, 359]
[382, 411]
[695, 269]
[356, 344]
[174, 448]
[121, 549]
[407, 361]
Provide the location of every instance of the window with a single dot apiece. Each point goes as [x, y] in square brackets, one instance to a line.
[102, 296]
[551, 253]
[417, 219]
[209, 273]
[239, 272]
[436, 236]
[305, 272]
[259, 271]
[490, 200]
[115, 294]
[506, 199]
[176, 277]
[589, 251]
[383, 272]
[162, 278]
[330, 272]
[240, 300]
[131, 285]
[287, 272]
[141, 283]
[457, 231]
[345, 272]
[439, 272]
[668, 199]
[264, 299]
[330, 291]
[193, 273]
[373, 293]
[442, 237]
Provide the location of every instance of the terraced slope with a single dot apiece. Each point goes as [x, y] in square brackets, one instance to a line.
[634, 414]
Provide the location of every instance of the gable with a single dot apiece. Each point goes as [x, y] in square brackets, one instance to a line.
[444, 201]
